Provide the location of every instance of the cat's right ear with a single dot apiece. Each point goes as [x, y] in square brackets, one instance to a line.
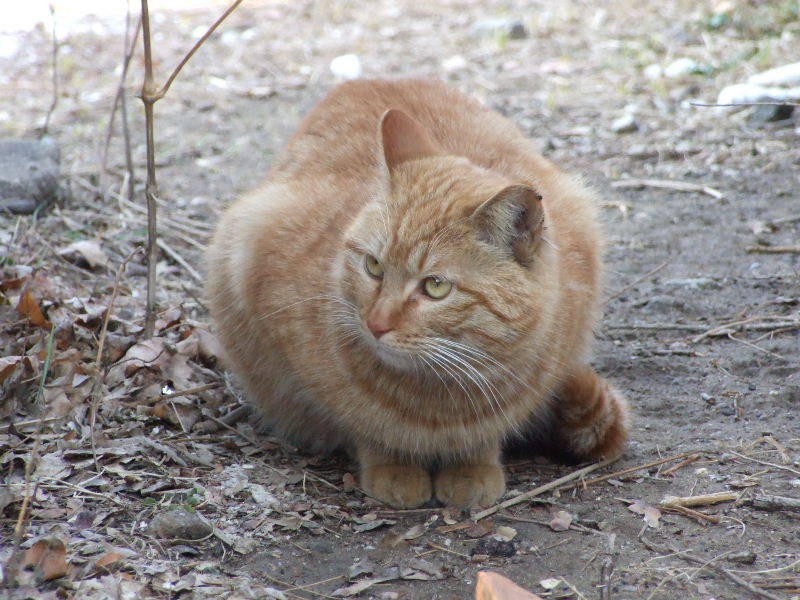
[403, 138]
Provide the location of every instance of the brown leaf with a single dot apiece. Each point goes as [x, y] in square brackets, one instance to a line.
[493, 586]
[48, 557]
[107, 559]
[28, 307]
[7, 366]
[348, 482]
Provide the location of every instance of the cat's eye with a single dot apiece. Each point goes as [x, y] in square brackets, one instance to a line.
[436, 287]
[373, 266]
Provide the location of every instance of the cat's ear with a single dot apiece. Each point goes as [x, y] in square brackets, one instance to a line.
[513, 220]
[403, 139]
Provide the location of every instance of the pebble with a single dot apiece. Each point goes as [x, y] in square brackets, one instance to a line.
[625, 124]
[29, 174]
[514, 29]
[695, 283]
[682, 67]
[346, 67]
[179, 524]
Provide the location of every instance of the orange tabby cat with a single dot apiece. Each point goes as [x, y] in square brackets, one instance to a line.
[415, 283]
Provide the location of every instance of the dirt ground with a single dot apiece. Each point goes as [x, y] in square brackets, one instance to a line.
[701, 326]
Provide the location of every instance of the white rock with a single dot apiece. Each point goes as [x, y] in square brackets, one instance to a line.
[785, 75]
[681, 67]
[746, 92]
[346, 66]
[454, 63]
[653, 71]
[625, 124]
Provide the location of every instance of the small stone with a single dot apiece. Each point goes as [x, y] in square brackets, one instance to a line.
[625, 124]
[29, 174]
[180, 525]
[746, 557]
[513, 29]
[694, 283]
[346, 67]
[770, 113]
[682, 67]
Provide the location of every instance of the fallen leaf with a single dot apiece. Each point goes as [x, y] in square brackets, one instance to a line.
[348, 482]
[650, 514]
[414, 532]
[48, 557]
[561, 521]
[550, 583]
[88, 250]
[493, 586]
[7, 366]
[28, 307]
[107, 559]
[505, 533]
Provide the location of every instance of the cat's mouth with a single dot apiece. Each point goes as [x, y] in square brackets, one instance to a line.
[389, 352]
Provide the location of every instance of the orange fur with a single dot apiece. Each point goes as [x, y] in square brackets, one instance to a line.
[427, 188]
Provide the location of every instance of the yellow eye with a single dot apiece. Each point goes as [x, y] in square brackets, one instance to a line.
[373, 266]
[436, 287]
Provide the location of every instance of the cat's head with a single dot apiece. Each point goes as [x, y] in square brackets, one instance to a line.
[442, 267]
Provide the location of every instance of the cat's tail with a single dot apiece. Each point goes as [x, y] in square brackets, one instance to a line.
[588, 420]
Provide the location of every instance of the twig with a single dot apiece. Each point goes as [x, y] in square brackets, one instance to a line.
[696, 514]
[647, 275]
[149, 96]
[761, 593]
[773, 503]
[649, 465]
[174, 255]
[733, 338]
[701, 500]
[680, 465]
[542, 489]
[750, 324]
[443, 549]
[26, 498]
[774, 249]
[162, 448]
[54, 101]
[679, 186]
[768, 464]
[99, 374]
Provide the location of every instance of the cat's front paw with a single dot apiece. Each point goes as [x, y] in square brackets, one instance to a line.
[399, 486]
[470, 486]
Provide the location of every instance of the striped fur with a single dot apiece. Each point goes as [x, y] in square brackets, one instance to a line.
[423, 391]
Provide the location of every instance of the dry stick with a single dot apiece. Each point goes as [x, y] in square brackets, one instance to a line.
[54, 101]
[174, 255]
[771, 503]
[762, 462]
[542, 489]
[149, 96]
[649, 465]
[119, 100]
[99, 377]
[680, 465]
[647, 275]
[701, 500]
[774, 249]
[680, 186]
[18, 527]
[749, 324]
[761, 593]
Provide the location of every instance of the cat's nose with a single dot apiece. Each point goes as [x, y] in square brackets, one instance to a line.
[378, 328]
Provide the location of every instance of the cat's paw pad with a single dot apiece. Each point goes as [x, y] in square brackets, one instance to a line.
[470, 486]
[399, 486]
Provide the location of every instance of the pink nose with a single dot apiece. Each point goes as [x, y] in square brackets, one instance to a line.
[377, 328]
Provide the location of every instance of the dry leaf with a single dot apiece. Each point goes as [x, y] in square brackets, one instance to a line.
[28, 307]
[493, 586]
[7, 366]
[107, 559]
[88, 250]
[48, 557]
[415, 532]
[650, 514]
[348, 482]
[561, 521]
[506, 533]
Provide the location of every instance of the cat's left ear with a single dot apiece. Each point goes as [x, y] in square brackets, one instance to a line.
[512, 219]
[403, 138]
